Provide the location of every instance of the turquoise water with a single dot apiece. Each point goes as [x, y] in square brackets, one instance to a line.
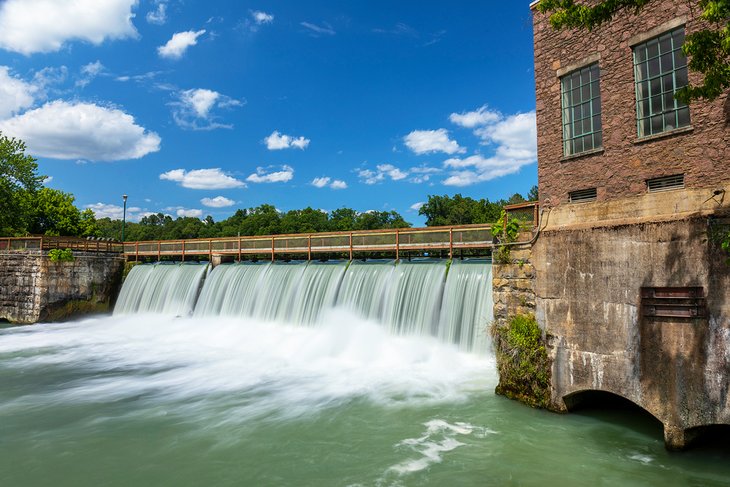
[143, 400]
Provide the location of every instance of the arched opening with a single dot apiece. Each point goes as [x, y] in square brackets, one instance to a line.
[711, 438]
[612, 408]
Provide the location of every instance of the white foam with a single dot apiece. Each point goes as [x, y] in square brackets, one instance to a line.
[439, 438]
[259, 368]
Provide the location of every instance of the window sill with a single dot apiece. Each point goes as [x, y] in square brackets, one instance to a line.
[669, 133]
[592, 152]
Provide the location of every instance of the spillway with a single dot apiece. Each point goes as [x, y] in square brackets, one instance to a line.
[448, 300]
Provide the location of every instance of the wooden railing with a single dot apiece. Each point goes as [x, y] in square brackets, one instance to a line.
[397, 241]
[48, 243]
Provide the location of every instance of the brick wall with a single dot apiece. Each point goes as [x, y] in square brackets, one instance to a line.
[623, 166]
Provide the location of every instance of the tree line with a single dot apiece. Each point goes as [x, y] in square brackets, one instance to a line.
[29, 208]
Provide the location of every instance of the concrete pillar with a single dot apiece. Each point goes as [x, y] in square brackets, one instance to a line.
[216, 260]
[677, 438]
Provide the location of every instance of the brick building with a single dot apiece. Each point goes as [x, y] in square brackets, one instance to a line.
[632, 186]
[607, 122]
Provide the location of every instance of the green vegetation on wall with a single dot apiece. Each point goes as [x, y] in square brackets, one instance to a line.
[522, 361]
[61, 255]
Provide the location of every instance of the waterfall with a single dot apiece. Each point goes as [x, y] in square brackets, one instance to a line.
[169, 289]
[422, 297]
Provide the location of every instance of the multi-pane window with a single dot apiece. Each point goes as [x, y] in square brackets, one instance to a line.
[660, 69]
[581, 110]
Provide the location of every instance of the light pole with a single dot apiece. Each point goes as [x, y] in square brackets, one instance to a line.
[124, 217]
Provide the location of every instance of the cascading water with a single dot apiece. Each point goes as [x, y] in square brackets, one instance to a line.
[409, 298]
[170, 289]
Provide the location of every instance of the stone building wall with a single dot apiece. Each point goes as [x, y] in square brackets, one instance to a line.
[34, 289]
[624, 164]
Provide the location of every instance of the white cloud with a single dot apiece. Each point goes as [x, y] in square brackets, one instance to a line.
[338, 184]
[158, 16]
[417, 206]
[327, 181]
[213, 178]
[318, 30]
[30, 26]
[15, 94]
[189, 212]
[278, 141]
[64, 130]
[47, 180]
[89, 72]
[417, 174]
[320, 182]
[179, 43]
[515, 138]
[194, 107]
[116, 212]
[478, 117]
[428, 141]
[261, 176]
[262, 17]
[217, 202]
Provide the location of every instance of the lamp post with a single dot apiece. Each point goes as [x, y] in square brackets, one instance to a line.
[124, 217]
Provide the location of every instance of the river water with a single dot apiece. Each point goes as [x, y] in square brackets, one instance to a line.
[148, 400]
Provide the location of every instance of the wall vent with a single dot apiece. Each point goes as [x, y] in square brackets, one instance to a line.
[582, 195]
[665, 183]
[673, 302]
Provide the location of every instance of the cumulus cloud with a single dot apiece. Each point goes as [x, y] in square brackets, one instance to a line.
[15, 94]
[66, 130]
[515, 141]
[263, 176]
[315, 30]
[278, 141]
[213, 178]
[326, 181]
[194, 109]
[417, 174]
[478, 117]
[217, 202]
[429, 141]
[179, 43]
[189, 212]
[30, 26]
[116, 212]
[159, 15]
[261, 17]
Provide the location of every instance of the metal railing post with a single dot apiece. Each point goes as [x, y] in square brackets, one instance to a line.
[183, 251]
[451, 242]
[136, 251]
[350, 245]
[272, 249]
[158, 250]
[239, 249]
[309, 247]
[397, 245]
[210, 251]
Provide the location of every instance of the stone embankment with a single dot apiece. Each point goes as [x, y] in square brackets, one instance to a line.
[33, 288]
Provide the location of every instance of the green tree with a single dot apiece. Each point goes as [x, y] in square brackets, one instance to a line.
[533, 195]
[342, 220]
[54, 213]
[459, 210]
[19, 182]
[708, 49]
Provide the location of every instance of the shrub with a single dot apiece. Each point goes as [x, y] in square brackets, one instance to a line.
[61, 255]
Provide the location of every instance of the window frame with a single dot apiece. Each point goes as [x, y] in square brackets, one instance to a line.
[650, 87]
[569, 107]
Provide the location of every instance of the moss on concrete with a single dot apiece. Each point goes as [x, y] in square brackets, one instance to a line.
[522, 361]
[75, 308]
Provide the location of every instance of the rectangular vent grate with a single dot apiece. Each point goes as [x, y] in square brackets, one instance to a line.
[665, 183]
[582, 195]
[673, 302]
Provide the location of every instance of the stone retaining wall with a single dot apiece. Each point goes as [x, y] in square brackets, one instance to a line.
[34, 289]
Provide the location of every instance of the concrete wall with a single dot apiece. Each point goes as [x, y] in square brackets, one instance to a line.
[513, 284]
[33, 289]
[588, 280]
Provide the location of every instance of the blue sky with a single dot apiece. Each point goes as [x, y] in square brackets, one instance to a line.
[197, 108]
